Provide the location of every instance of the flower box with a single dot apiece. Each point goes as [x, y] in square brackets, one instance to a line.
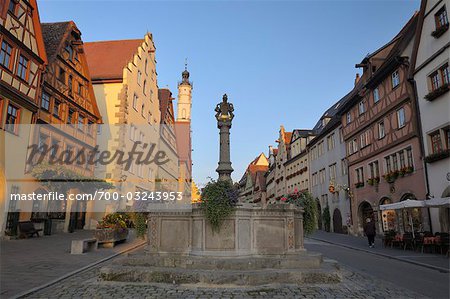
[359, 185]
[111, 235]
[437, 156]
[437, 92]
[439, 31]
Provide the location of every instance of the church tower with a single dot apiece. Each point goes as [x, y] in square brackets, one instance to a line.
[184, 104]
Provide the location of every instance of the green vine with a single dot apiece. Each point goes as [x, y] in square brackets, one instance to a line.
[140, 224]
[218, 200]
[304, 200]
[326, 218]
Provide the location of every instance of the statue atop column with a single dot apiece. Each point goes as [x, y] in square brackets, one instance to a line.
[224, 116]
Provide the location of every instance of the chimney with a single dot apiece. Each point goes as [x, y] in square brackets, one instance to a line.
[357, 78]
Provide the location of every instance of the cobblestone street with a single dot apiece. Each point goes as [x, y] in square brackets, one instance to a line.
[354, 285]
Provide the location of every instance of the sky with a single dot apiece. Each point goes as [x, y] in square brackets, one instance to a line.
[280, 62]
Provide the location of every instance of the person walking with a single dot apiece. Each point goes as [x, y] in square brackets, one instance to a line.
[370, 232]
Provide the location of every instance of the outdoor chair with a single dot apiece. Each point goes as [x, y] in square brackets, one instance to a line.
[408, 241]
[431, 246]
[444, 243]
[418, 241]
[388, 238]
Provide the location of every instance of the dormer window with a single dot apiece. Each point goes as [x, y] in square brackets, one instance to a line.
[69, 51]
[395, 77]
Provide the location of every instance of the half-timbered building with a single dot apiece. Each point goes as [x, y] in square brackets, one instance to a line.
[68, 111]
[380, 129]
[22, 61]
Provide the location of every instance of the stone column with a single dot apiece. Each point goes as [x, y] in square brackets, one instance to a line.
[224, 116]
[224, 169]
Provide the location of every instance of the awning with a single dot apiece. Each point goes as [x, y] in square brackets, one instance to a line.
[409, 203]
[438, 202]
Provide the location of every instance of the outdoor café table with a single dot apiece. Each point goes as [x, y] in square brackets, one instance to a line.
[431, 240]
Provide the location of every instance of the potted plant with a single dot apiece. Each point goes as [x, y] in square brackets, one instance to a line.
[409, 169]
[370, 182]
[112, 228]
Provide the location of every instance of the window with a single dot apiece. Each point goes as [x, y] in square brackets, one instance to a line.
[145, 66]
[344, 166]
[149, 117]
[374, 170]
[62, 75]
[70, 84]
[142, 110]
[352, 146]
[12, 7]
[56, 106]
[394, 162]
[144, 87]
[436, 142]
[5, 54]
[321, 149]
[70, 117]
[139, 77]
[409, 156]
[80, 89]
[330, 142]
[365, 139]
[435, 80]
[332, 169]
[135, 101]
[45, 101]
[441, 17]
[362, 107]
[376, 95]
[445, 74]
[54, 148]
[22, 67]
[388, 164]
[12, 118]
[69, 50]
[381, 132]
[359, 175]
[447, 137]
[80, 122]
[151, 95]
[440, 77]
[349, 118]
[401, 117]
[90, 127]
[395, 79]
[401, 156]
[42, 142]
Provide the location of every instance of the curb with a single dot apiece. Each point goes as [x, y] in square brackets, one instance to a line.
[440, 269]
[35, 289]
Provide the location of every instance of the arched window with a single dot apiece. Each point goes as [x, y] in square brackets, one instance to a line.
[183, 113]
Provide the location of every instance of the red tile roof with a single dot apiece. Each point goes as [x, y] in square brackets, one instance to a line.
[107, 59]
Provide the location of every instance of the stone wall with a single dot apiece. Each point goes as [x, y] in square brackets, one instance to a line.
[250, 230]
